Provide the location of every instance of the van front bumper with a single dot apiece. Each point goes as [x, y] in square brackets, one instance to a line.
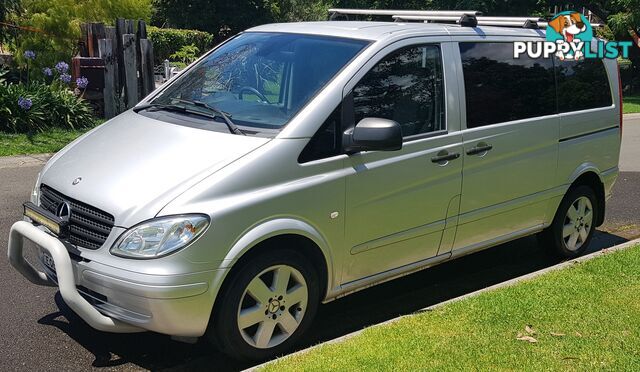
[116, 300]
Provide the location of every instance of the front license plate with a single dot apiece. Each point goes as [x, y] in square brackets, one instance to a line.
[47, 261]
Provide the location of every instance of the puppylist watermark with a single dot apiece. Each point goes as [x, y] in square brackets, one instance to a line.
[570, 37]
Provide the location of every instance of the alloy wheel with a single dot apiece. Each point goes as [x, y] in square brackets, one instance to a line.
[272, 306]
[577, 223]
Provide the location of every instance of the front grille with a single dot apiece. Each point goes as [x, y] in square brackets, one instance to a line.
[89, 227]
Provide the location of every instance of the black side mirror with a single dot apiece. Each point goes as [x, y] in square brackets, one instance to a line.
[374, 134]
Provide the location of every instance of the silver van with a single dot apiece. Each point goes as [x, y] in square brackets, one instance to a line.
[297, 163]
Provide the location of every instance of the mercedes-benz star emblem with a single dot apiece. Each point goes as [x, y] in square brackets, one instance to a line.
[76, 181]
[64, 211]
[274, 306]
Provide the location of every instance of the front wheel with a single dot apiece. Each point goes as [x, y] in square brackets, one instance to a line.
[573, 226]
[267, 306]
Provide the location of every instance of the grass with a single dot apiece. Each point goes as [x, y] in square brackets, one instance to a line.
[631, 104]
[584, 317]
[51, 140]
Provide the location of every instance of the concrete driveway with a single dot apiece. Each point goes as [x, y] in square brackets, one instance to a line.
[39, 332]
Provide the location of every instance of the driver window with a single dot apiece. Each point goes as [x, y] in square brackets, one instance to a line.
[405, 86]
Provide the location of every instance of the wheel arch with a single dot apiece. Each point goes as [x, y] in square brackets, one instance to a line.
[274, 234]
[589, 175]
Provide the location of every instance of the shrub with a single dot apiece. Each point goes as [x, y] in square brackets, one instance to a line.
[169, 41]
[186, 54]
[37, 107]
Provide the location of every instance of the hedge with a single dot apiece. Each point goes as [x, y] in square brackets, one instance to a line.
[167, 41]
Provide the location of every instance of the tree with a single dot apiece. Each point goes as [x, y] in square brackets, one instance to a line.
[219, 17]
[58, 25]
[7, 8]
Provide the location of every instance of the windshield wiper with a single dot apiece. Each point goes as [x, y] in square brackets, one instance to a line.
[215, 112]
[160, 106]
[219, 113]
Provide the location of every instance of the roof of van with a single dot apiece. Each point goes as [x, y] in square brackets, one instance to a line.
[380, 30]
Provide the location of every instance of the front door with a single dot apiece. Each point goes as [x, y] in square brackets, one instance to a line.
[398, 202]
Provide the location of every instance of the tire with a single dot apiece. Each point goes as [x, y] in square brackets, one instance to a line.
[574, 223]
[259, 316]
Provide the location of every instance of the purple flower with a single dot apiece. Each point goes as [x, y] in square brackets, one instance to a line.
[47, 71]
[82, 82]
[62, 67]
[65, 78]
[29, 54]
[24, 103]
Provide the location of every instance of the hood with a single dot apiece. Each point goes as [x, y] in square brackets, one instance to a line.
[132, 166]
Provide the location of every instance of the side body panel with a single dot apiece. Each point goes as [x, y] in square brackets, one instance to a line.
[590, 141]
[398, 202]
[505, 190]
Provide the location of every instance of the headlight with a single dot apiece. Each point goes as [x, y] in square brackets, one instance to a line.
[160, 236]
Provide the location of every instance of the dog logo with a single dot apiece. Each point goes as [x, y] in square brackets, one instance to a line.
[569, 36]
[569, 27]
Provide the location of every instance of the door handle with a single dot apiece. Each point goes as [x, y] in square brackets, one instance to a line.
[479, 149]
[444, 158]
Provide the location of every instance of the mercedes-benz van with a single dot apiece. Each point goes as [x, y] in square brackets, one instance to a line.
[297, 163]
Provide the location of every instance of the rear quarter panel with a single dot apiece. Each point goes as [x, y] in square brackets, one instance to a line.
[590, 139]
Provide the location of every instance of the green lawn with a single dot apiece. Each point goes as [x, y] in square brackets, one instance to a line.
[49, 141]
[585, 317]
[631, 104]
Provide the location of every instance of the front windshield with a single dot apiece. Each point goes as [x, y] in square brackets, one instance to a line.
[263, 79]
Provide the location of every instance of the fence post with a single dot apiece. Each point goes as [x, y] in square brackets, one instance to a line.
[105, 48]
[130, 69]
[167, 70]
[120, 30]
[141, 33]
[148, 80]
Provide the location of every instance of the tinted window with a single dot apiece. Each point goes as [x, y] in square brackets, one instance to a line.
[582, 85]
[406, 86]
[500, 88]
[326, 142]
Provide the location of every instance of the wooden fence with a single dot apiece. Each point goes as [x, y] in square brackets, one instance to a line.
[118, 61]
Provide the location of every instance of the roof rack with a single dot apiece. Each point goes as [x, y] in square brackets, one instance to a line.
[465, 18]
[337, 13]
[525, 22]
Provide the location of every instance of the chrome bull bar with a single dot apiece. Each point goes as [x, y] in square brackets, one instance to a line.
[64, 270]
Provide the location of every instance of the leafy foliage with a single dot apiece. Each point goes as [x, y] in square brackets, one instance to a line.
[169, 41]
[186, 54]
[58, 22]
[7, 8]
[219, 17]
[51, 106]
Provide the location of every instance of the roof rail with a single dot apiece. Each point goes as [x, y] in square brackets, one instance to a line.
[336, 13]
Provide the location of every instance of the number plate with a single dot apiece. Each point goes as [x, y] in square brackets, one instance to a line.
[47, 261]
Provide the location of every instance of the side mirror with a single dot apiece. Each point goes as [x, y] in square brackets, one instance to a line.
[374, 134]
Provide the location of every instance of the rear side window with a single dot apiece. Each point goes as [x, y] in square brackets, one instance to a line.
[500, 88]
[582, 85]
[405, 86]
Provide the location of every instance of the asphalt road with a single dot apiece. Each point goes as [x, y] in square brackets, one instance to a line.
[39, 332]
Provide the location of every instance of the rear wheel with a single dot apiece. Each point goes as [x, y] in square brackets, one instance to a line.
[574, 223]
[267, 306]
